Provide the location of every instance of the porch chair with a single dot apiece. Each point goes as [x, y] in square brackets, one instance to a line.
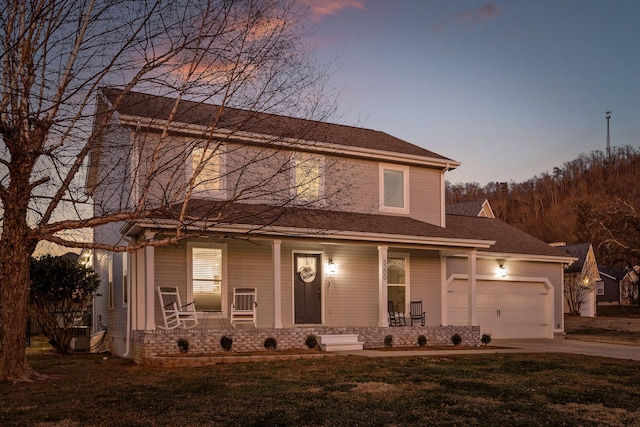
[416, 312]
[174, 314]
[244, 307]
[395, 319]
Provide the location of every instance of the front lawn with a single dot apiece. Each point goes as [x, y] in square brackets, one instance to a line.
[492, 389]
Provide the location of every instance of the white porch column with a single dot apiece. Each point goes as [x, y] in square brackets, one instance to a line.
[472, 288]
[443, 291]
[383, 319]
[277, 283]
[150, 286]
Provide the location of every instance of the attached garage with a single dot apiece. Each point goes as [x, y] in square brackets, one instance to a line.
[504, 308]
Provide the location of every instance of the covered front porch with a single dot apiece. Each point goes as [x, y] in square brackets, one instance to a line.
[301, 286]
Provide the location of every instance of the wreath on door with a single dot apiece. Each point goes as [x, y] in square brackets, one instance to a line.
[307, 274]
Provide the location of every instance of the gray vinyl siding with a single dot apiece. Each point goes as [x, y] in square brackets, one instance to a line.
[250, 265]
[352, 297]
[425, 283]
[425, 193]
[257, 174]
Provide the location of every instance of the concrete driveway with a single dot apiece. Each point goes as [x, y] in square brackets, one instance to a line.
[556, 345]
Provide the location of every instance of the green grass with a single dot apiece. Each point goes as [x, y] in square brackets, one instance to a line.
[493, 389]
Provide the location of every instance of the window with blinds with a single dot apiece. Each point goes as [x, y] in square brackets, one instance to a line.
[209, 177]
[307, 176]
[394, 188]
[206, 276]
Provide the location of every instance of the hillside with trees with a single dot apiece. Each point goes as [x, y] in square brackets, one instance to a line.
[594, 198]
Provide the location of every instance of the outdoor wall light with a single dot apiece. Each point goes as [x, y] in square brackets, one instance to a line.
[502, 271]
[332, 267]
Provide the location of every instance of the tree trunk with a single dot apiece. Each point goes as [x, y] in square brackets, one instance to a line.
[14, 295]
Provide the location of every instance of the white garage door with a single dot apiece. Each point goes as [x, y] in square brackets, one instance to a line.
[505, 309]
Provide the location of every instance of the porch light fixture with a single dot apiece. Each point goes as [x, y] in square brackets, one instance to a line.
[332, 266]
[502, 271]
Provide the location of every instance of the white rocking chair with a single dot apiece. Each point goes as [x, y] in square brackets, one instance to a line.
[174, 314]
[243, 306]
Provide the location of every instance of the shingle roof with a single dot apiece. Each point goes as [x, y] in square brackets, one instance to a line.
[508, 239]
[470, 208]
[197, 113]
[578, 250]
[319, 220]
[615, 272]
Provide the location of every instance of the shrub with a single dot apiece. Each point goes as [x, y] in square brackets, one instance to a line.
[60, 294]
[311, 341]
[270, 343]
[456, 339]
[486, 339]
[183, 345]
[422, 340]
[388, 341]
[226, 342]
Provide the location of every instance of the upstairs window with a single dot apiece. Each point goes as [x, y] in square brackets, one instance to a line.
[307, 178]
[394, 188]
[210, 178]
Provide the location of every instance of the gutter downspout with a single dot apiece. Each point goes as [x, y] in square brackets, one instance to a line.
[129, 301]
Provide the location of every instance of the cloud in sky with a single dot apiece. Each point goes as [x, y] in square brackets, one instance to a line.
[470, 18]
[322, 8]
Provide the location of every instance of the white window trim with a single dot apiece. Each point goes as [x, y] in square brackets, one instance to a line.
[221, 192]
[297, 199]
[407, 275]
[224, 291]
[600, 287]
[405, 184]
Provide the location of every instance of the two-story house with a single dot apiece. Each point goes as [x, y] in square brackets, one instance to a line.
[327, 226]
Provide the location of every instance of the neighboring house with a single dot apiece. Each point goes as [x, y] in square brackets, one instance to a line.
[480, 208]
[324, 254]
[629, 292]
[581, 279]
[608, 292]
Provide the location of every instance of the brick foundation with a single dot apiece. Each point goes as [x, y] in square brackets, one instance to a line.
[147, 344]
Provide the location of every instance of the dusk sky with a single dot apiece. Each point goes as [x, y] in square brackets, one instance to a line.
[509, 88]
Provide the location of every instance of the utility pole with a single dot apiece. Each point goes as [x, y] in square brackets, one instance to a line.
[608, 117]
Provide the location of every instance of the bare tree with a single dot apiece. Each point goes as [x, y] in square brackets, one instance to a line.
[57, 53]
[577, 292]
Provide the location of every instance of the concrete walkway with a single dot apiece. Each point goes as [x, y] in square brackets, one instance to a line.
[556, 345]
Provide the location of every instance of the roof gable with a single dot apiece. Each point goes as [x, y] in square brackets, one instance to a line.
[480, 208]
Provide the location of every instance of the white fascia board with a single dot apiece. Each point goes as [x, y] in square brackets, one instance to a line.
[313, 146]
[524, 257]
[324, 234]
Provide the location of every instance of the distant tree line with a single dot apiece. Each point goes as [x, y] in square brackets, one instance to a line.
[594, 198]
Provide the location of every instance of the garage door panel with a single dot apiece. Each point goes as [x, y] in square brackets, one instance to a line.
[505, 309]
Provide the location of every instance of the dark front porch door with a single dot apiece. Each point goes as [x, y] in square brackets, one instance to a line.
[307, 288]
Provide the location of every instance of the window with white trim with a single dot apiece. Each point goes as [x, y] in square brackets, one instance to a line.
[307, 178]
[599, 287]
[394, 188]
[397, 283]
[210, 179]
[207, 277]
